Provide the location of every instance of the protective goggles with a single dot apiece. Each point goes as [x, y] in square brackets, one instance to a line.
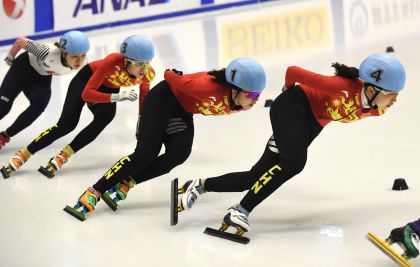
[384, 91]
[139, 64]
[252, 95]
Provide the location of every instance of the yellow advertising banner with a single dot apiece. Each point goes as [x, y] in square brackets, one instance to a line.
[268, 35]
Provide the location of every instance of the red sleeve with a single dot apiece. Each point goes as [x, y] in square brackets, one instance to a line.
[317, 81]
[171, 77]
[90, 93]
[184, 82]
[145, 85]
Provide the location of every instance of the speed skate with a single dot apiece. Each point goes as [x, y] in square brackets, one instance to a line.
[385, 247]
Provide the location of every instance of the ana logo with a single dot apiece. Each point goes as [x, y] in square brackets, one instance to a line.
[14, 8]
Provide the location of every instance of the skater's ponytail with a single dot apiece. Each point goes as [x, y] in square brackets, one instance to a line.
[220, 77]
[342, 70]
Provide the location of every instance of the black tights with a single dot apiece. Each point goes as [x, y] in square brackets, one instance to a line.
[163, 121]
[21, 77]
[294, 129]
[103, 114]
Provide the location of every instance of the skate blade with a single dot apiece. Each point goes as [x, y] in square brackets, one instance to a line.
[4, 172]
[44, 171]
[174, 201]
[75, 213]
[109, 201]
[228, 236]
[387, 250]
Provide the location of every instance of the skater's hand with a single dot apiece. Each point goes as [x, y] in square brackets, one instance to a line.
[284, 88]
[124, 94]
[9, 60]
[177, 72]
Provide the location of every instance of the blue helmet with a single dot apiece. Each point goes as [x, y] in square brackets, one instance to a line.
[246, 74]
[383, 70]
[74, 42]
[138, 48]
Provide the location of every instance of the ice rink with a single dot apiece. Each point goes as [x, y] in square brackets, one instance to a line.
[319, 218]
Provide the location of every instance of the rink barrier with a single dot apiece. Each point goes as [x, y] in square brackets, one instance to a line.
[44, 24]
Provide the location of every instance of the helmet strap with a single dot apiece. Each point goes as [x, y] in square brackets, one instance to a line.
[233, 105]
[370, 101]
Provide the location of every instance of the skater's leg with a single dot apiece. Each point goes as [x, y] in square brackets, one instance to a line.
[241, 181]
[157, 108]
[103, 114]
[38, 94]
[68, 121]
[70, 114]
[294, 129]
[178, 143]
[14, 82]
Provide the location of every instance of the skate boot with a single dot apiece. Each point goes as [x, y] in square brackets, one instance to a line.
[236, 218]
[117, 193]
[190, 191]
[86, 203]
[14, 164]
[4, 139]
[54, 165]
[407, 239]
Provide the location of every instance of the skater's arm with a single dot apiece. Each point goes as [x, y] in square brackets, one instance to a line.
[321, 82]
[19, 44]
[197, 85]
[90, 92]
[40, 50]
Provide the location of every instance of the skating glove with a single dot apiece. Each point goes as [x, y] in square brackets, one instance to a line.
[177, 72]
[9, 60]
[124, 94]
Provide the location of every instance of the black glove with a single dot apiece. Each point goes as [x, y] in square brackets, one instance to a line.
[177, 72]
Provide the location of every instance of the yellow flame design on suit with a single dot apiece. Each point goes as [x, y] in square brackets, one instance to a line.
[212, 107]
[342, 110]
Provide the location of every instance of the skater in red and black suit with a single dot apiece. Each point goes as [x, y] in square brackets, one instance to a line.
[98, 86]
[167, 118]
[310, 101]
[31, 73]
